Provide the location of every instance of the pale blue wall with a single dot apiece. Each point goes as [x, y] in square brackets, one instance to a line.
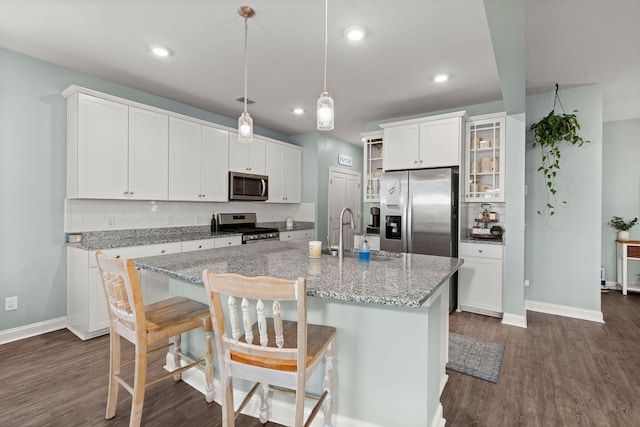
[514, 250]
[620, 186]
[562, 260]
[328, 150]
[309, 144]
[563, 254]
[321, 152]
[33, 179]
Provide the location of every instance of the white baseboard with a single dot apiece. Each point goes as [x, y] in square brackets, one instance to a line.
[514, 320]
[443, 382]
[438, 419]
[32, 330]
[566, 311]
[609, 284]
[280, 412]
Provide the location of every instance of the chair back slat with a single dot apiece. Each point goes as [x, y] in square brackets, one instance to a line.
[122, 290]
[277, 324]
[233, 317]
[269, 325]
[262, 323]
[246, 321]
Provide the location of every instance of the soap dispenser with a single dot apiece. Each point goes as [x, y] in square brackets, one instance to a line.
[363, 252]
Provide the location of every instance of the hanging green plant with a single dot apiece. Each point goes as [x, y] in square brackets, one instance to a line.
[548, 133]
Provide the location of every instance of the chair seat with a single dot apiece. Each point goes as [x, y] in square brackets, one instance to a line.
[318, 338]
[174, 312]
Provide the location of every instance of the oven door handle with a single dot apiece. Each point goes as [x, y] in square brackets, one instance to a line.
[264, 187]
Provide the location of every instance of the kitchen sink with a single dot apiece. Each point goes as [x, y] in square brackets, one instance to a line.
[374, 255]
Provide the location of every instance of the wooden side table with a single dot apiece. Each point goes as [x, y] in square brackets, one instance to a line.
[626, 250]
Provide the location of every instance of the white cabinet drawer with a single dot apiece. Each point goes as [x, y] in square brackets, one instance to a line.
[222, 242]
[197, 245]
[480, 250]
[296, 235]
[138, 251]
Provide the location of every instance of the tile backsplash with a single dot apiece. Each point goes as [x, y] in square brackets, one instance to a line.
[96, 215]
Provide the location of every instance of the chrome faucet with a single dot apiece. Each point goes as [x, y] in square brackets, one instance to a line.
[342, 224]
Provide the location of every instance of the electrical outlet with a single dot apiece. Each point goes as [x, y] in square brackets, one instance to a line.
[10, 303]
[111, 221]
[526, 283]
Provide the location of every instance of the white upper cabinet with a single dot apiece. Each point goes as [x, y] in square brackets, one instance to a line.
[423, 143]
[215, 164]
[197, 161]
[484, 161]
[401, 149]
[115, 151]
[148, 155]
[440, 142]
[247, 157]
[97, 148]
[372, 145]
[284, 169]
[121, 149]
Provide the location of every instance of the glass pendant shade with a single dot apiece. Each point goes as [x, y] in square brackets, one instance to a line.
[245, 128]
[325, 112]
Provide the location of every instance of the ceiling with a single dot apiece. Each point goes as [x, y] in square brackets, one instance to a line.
[386, 75]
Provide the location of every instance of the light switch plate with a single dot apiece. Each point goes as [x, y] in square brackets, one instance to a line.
[10, 303]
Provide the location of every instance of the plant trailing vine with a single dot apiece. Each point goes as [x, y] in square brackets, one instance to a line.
[548, 133]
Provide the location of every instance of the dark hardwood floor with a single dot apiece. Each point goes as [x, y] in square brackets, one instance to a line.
[557, 372]
[56, 379]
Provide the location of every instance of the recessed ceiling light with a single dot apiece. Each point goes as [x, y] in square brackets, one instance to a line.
[439, 78]
[298, 111]
[355, 33]
[159, 50]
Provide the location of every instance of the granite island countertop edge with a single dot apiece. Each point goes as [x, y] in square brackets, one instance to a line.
[323, 279]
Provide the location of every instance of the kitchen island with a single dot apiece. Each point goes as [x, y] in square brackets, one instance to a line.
[391, 316]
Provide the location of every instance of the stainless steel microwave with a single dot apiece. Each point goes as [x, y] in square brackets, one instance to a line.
[246, 186]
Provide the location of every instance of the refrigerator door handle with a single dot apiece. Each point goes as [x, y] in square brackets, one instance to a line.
[409, 221]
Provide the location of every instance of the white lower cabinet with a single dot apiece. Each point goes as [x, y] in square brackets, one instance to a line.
[480, 278]
[87, 315]
[296, 235]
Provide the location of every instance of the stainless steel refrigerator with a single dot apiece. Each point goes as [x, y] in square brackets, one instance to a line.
[419, 214]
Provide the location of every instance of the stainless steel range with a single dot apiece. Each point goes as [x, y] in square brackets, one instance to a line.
[245, 224]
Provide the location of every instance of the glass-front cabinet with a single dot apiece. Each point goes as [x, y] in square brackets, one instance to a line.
[485, 158]
[372, 144]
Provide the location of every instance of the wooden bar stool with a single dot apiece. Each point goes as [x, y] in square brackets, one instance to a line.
[287, 352]
[145, 326]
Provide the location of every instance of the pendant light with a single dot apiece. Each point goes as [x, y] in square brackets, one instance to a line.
[325, 112]
[245, 122]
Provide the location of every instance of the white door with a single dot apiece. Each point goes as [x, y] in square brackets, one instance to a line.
[344, 190]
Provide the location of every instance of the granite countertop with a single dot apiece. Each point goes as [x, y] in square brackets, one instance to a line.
[109, 239]
[404, 280]
[483, 241]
